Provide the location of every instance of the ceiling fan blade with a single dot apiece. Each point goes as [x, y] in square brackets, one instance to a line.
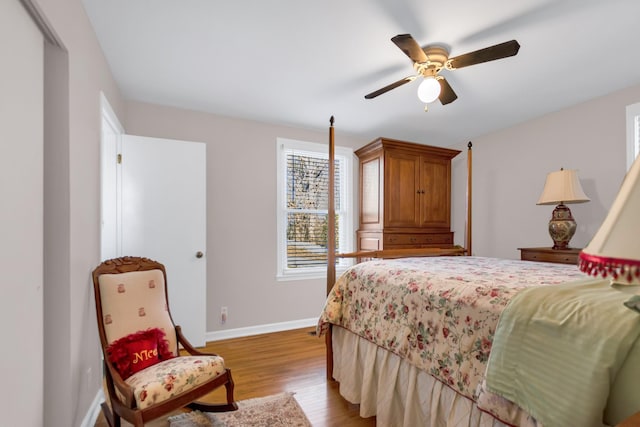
[389, 87]
[410, 47]
[447, 95]
[499, 51]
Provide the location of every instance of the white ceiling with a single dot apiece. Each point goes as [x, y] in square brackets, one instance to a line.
[297, 62]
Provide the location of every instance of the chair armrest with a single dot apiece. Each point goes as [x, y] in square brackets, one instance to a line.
[114, 380]
[182, 340]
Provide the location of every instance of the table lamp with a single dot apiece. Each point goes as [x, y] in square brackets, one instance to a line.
[614, 251]
[562, 187]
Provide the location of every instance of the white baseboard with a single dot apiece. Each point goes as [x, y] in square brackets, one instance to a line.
[261, 329]
[94, 410]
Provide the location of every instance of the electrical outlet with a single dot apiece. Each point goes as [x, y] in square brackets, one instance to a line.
[224, 313]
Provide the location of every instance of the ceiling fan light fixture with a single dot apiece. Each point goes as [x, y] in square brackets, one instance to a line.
[428, 61]
[429, 90]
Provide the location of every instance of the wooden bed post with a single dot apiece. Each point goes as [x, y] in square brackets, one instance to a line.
[331, 217]
[467, 243]
[331, 241]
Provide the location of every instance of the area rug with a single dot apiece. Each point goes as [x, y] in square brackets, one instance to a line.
[278, 410]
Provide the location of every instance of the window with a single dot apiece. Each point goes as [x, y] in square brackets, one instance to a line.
[303, 178]
[633, 133]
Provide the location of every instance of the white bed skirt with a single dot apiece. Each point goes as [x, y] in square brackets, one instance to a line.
[404, 396]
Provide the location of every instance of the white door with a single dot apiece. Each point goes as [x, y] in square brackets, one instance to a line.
[21, 221]
[164, 218]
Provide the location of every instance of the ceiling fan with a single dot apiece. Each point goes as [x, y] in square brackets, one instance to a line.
[428, 63]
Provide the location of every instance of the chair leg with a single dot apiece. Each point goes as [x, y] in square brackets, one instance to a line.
[213, 407]
[230, 385]
[110, 416]
[137, 420]
[231, 405]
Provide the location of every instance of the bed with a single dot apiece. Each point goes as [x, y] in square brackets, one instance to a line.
[425, 340]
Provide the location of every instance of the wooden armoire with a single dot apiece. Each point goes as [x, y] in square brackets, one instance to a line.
[405, 195]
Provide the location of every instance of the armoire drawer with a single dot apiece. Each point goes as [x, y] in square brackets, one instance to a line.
[418, 239]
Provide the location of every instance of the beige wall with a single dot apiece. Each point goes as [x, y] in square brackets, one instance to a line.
[241, 213]
[510, 167]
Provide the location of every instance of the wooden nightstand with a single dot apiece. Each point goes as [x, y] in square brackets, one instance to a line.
[560, 256]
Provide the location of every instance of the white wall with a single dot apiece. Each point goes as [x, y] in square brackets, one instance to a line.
[57, 307]
[241, 212]
[510, 167]
[21, 229]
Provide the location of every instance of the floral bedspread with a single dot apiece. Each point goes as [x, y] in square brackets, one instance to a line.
[439, 313]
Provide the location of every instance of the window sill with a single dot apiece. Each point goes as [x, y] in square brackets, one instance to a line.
[308, 275]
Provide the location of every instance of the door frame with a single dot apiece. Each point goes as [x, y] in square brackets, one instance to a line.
[110, 203]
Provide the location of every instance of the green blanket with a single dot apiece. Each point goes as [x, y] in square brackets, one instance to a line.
[558, 349]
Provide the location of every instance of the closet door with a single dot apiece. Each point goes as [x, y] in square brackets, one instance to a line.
[21, 216]
[163, 201]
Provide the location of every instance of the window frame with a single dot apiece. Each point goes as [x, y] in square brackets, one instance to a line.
[633, 133]
[346, 231]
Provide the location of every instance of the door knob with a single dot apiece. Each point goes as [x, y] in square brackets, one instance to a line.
[199, 254]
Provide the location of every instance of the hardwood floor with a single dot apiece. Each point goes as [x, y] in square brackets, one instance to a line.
[283, 361]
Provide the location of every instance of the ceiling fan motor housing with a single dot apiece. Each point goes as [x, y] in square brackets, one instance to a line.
[436, 58]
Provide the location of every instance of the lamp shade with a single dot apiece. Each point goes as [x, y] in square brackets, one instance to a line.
[429, 90]
[614, 250]
[562, 186]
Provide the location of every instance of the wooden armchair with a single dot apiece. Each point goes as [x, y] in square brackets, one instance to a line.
[146, 376]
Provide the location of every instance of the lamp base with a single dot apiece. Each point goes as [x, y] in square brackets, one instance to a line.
[562, 227]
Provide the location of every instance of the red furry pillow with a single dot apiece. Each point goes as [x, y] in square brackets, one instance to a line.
[137, 351]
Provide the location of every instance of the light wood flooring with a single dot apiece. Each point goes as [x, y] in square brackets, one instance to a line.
[283, 361]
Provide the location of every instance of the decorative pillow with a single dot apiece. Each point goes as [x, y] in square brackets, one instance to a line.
[134, 352]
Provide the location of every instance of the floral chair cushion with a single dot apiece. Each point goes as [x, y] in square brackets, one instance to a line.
[169, 378]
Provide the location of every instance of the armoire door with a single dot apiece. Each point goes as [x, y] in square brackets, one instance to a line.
[435, 195]
[401, 189]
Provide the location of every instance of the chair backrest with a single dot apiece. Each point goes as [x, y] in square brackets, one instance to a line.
[131, 296]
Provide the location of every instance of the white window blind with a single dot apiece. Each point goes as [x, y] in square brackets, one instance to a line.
[307, 204]
[303, 207]
[636, 142]
[633, 133]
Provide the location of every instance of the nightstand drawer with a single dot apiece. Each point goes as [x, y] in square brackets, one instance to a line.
[560, 256]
